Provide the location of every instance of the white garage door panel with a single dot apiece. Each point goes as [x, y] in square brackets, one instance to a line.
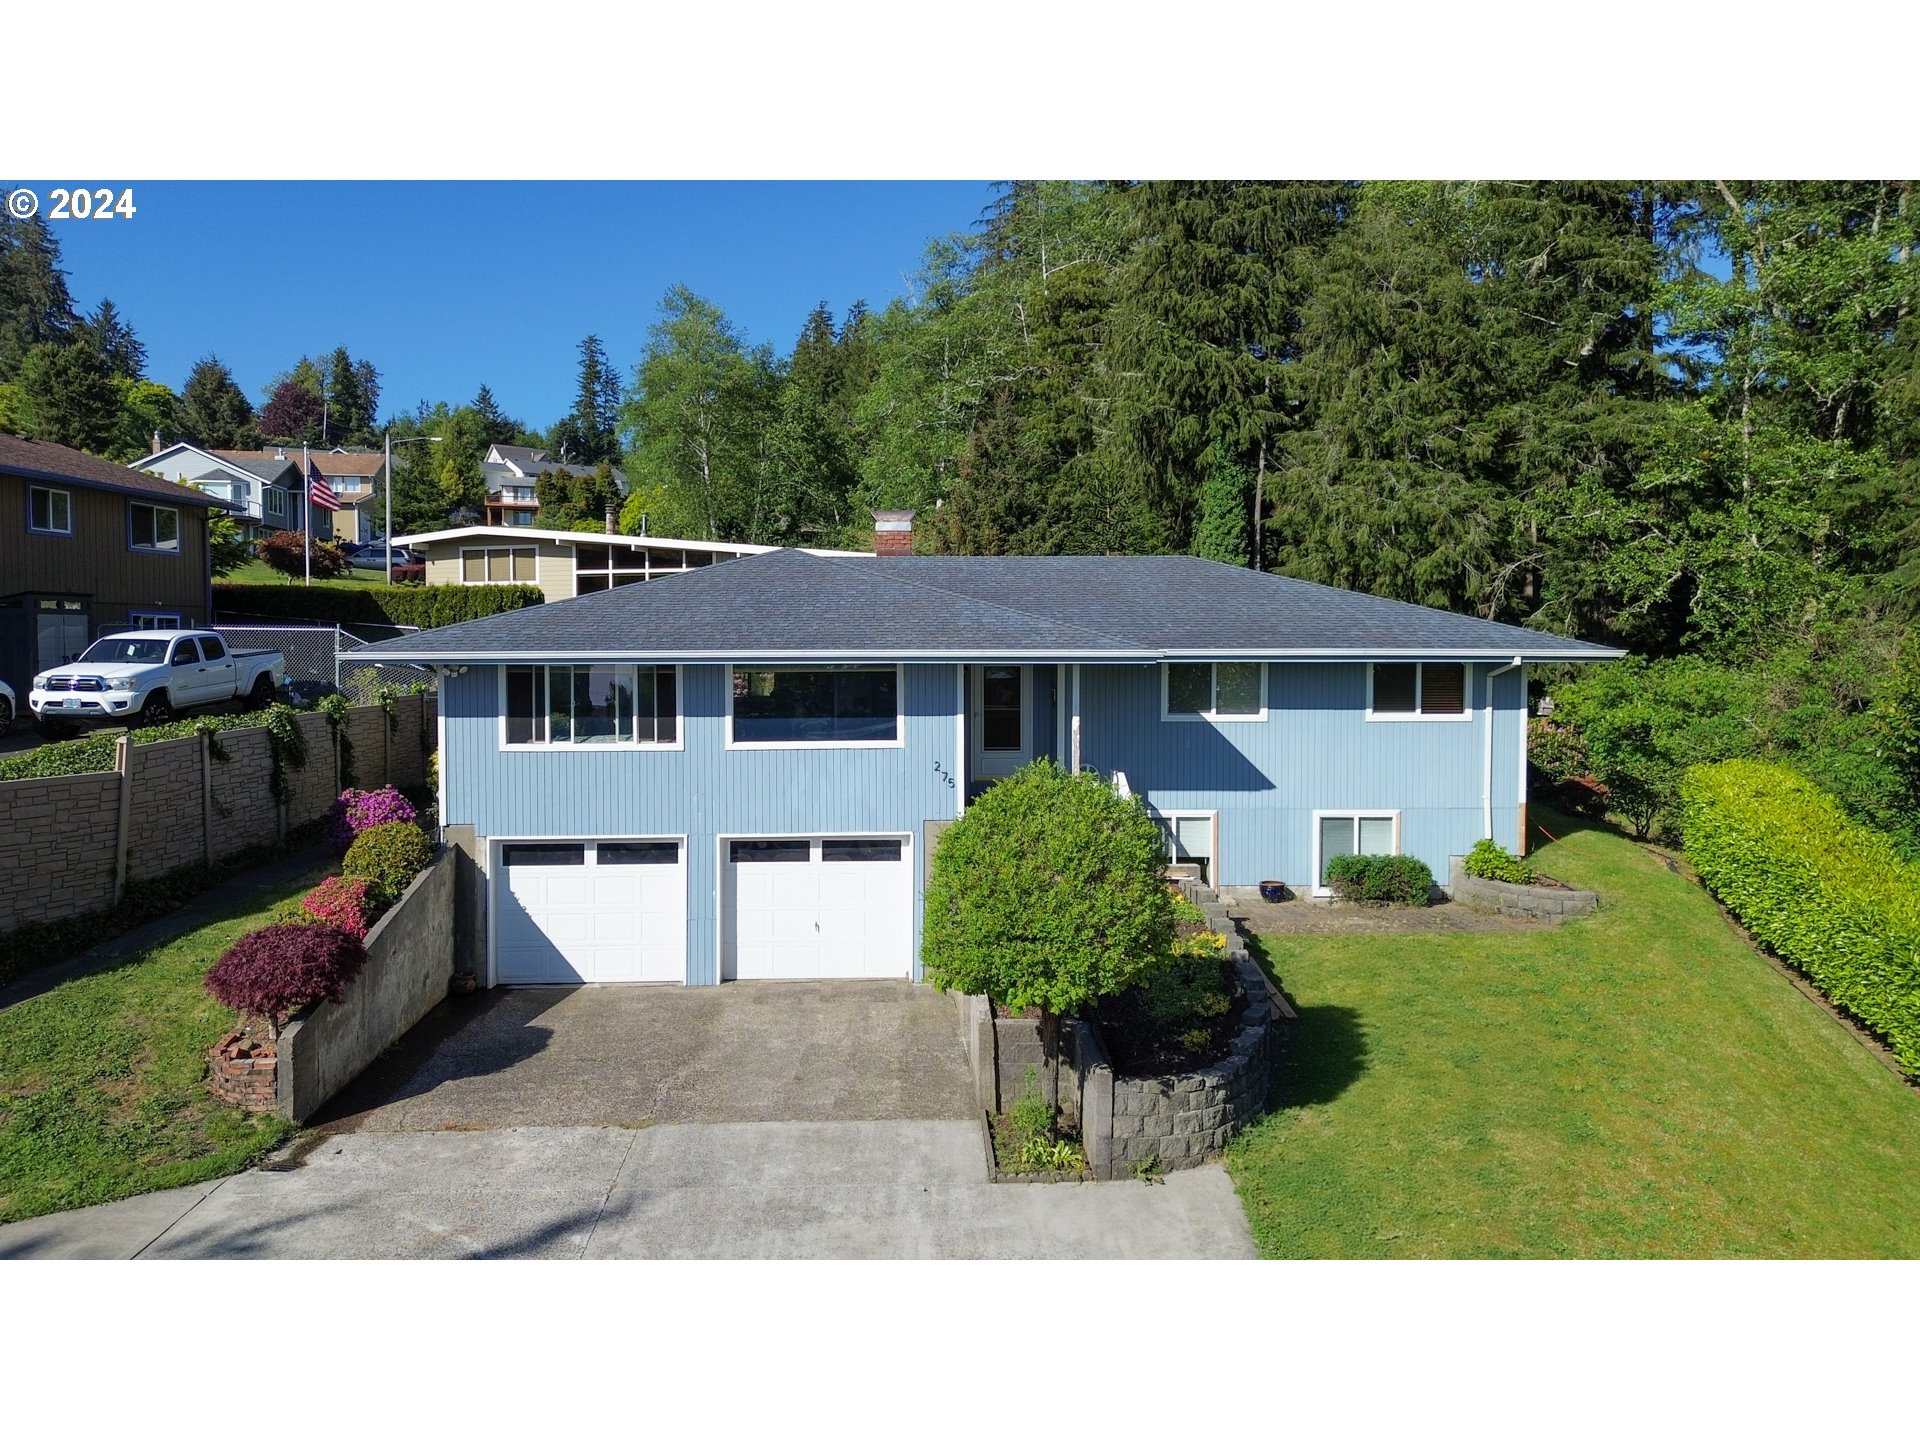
[818, 918]
[598, 921]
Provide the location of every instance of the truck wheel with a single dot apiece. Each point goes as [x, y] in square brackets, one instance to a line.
[156, 711]
[261, 696]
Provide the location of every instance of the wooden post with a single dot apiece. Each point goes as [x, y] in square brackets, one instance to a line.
[123, 766]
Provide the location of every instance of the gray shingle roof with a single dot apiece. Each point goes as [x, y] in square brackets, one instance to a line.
[790, 605]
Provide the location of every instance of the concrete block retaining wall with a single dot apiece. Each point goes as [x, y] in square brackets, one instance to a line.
[409, 962]
[62, 839]
[1529, 902]
[1170, 1122]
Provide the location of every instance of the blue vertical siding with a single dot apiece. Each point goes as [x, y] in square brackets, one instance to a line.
[703, 791]
[1315, 751]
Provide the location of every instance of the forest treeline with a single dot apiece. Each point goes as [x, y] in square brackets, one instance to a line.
[1678, 417]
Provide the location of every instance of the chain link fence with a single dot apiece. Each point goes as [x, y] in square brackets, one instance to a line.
[319, 658]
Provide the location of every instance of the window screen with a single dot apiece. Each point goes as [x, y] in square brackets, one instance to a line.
[1236, 689]
[1393, 689]
[1189, 689]
[1443, 689]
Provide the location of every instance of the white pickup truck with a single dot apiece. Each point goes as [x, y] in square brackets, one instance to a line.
[143, 677]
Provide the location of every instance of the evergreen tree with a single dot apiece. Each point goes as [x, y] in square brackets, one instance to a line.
[352, 397]
[589, 433]
[1225, 499]
[570, 501]
[35, 306]
[214, 412]
[69, 396]
[115, 341]
[496, 426]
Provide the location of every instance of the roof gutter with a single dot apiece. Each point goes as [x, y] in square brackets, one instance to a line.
[1486, 772]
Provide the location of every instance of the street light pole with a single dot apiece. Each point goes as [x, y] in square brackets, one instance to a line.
[386, 538]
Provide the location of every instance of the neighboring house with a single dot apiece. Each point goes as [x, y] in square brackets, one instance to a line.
[565, 563]
[737, 772]
[88, 547]
[512, 471]
[262, 488]
[357, 478]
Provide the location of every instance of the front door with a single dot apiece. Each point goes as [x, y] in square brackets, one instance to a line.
[1001, 720]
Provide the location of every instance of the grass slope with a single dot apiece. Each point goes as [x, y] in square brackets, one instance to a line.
[102, 1079]
[258, 572]
[1639, 1083]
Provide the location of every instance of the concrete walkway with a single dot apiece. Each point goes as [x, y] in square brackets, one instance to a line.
[893, 1189]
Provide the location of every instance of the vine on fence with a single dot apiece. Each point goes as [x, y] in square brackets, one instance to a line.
[336, 708]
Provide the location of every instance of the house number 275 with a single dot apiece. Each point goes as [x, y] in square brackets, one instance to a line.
[942, 772]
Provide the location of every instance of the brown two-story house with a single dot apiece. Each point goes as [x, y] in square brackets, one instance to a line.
[88, 547]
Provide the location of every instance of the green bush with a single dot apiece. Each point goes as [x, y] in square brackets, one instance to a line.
[1830, 896]
[1488, 861]
[427, 606]
[1048, 892]
[387, 857]
[1380, 879]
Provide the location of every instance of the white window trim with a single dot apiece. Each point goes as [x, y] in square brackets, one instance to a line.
[156, 548]
[50, 528]
[1419, 679]
[276, 501]
[898, 742]
[1324, 891]
[1211, 716]
[1213, 860]
[162, 620]
[575, 747]
[495, 865]
[466, 550]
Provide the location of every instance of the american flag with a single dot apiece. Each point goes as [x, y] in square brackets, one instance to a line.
[320, 492]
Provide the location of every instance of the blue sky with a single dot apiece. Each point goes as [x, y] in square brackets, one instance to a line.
[445, 285]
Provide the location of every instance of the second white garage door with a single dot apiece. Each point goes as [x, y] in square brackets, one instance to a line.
[815, 909]
[573, 912]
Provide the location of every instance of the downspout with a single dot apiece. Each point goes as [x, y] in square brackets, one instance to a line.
[1486, 772]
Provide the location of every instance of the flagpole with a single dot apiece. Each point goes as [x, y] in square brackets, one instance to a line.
[306, 511]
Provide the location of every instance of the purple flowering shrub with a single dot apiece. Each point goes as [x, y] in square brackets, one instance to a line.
[274, 971]
[358, 810]
[342, 902]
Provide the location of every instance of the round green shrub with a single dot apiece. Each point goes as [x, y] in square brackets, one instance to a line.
[1048, 892]
[387, 857]
[1380, 879]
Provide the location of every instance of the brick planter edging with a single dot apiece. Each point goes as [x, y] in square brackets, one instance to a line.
[249, 1080]
[1526, 902]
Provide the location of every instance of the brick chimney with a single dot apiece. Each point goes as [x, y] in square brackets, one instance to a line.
[613, 518]
[893, 532]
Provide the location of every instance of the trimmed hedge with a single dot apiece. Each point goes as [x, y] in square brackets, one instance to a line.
[426, 606]
[1380, 879]
[387, 857]
[1832, 897]
[91, 754]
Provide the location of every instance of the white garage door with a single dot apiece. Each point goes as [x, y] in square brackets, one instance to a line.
[590, 911]
[816, 909]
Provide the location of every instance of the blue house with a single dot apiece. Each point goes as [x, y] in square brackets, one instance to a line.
[738, 772]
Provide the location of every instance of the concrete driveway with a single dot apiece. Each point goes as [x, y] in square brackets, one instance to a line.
[899, 1189]
[628, 1055]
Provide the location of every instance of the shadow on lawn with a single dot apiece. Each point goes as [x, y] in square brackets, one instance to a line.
[1321, 1054]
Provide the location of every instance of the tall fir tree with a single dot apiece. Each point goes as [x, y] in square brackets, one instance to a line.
[70, 396]
[214, 412]
[114, 340]
[589, 433]
[36, 307]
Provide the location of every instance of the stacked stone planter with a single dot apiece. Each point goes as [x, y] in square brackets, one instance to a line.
[1525, 902]
[1134, 1124]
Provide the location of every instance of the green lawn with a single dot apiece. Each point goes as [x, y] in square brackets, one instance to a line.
[102, 1088]
[1639, 1083]
[258, 572]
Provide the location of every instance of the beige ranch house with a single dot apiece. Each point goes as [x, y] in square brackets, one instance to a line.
[566, 563]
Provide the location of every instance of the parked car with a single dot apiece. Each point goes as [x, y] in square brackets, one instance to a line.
[374, 557]
[7, 708]
[147, 676]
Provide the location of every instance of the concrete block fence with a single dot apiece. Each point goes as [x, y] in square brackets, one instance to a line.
[71, 843]
[1527, 902]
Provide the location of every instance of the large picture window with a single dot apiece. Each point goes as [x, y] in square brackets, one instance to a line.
[1418, 690]
[592, 705]
[817, 705]
[153, 527]
[1229, 690]
[502, 565]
